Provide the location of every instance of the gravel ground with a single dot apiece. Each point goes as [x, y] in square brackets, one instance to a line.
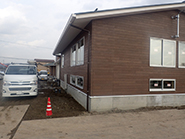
[63, 105]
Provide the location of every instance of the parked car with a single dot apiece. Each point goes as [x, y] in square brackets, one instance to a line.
[1, 75]
[20, 80]
[43, 75]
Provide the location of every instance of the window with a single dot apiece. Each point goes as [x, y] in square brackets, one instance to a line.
[77, 53]
[162, 52]
[62, 61]
[168, 84]
[79, 82]
[169, 51]
[162, 85]
[181, 59]
[21, 70]
[155, 52]
[73, 55]
[72, 79]
[80, 55]
[156, 84]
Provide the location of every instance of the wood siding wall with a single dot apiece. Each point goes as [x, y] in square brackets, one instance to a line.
[120, 53]
[79, 70]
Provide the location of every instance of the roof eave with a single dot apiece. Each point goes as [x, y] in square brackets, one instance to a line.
[67, 27]
[128, 11]
[77, 19]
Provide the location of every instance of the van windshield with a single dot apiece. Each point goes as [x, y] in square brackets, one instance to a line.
[21, 70]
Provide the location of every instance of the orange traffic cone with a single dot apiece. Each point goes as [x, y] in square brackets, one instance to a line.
[49, 109]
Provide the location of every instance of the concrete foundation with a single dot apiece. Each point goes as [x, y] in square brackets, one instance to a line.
[78, 95]
[124, 102]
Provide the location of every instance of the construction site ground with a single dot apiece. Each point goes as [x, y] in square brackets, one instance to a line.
[63, 105]
[158, 124]
[25, 117]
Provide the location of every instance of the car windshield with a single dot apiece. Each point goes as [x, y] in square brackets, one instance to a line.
[43, 73]
[21, 70]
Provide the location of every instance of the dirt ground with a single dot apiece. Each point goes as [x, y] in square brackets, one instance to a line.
[150, 123]
[63, 105]
[157, 124]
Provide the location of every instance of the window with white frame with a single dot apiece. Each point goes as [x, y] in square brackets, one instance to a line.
[181, 59]
[80, 55]
[62, 61]
[77, 81]
[80, 82]
[73, 55]
[162, 85]
[77, 53]
[73, 79]
[162, 52]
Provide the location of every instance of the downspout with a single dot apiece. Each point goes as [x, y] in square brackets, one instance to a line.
[88, 63]
[178, 22]
[176, 17]
[60, 67]
[88, 70]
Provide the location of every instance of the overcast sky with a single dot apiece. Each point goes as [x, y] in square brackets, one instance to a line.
[30, 29]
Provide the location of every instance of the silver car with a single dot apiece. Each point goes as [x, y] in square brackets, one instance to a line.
[43, 75]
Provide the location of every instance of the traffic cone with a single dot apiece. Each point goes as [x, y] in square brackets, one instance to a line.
[49, 109]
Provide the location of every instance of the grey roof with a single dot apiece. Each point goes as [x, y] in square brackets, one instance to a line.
[81, 20]
[44, 60]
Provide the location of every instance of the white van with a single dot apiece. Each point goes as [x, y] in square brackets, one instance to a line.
[20, 80]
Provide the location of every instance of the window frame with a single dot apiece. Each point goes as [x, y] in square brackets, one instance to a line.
[73, 55]
[62, 61]
[157, 89]
[162, 87]
[71, 82]
[150, 52]
[77, 82]
[179, 66]
[167, 89]
[162, 53]
[79, 54]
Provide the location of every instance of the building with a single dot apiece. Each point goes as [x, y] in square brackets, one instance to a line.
[125, 58]
[52, 68]
[41, 64]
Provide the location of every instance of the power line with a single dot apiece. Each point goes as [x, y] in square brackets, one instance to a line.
[13, 58]
[25, 44]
